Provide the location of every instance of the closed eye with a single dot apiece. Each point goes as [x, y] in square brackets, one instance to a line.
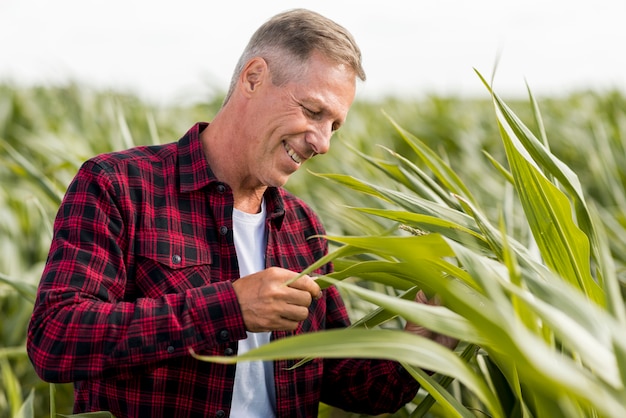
[311, 113]
[318, 115]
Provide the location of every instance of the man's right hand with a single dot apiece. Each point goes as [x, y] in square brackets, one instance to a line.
[267, 304]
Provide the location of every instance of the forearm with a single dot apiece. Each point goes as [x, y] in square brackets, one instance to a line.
[367, 386]
[362, 385]
[73, 336]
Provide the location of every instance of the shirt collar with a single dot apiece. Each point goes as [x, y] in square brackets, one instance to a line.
[195, 173]
[193, 169]
[275, 205]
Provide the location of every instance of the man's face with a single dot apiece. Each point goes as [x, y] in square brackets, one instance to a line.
[294, 122]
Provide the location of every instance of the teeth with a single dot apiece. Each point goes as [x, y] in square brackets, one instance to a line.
[293, 154]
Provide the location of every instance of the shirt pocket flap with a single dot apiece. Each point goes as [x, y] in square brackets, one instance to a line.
[172, 250]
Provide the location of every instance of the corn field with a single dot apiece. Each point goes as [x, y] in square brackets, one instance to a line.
[511, 212]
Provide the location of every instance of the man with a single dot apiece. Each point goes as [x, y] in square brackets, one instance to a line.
[159, 250]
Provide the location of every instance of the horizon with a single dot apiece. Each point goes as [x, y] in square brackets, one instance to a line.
[157, 51]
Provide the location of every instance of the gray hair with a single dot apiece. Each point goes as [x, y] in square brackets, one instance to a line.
[287, 40]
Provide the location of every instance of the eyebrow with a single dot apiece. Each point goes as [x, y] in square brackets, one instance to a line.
[314, 103]
[320, 106]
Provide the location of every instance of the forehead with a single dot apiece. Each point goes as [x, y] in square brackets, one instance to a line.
[326, 83]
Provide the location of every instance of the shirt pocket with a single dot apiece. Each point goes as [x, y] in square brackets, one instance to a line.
[170, 263]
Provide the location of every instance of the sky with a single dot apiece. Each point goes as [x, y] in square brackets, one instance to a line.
[185, 50]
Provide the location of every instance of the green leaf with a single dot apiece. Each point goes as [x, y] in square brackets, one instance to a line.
[437, 318]
[27, 409]
[33, 174]
[440, 168]
[468, 353]
[407, 248]
[449, 404]
[352, 183]
[370, 344]
[412, 203]
[431, 224]
[564, 247]
[538, 363]
[27, 290]
[12, 386]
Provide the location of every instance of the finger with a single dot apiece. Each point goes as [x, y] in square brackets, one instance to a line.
[307, 284]
[297, 297]
[421, 297]
[295, 313]
[315, 277]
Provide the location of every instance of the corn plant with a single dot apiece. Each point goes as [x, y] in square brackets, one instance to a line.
[532, 292]
[527, 257]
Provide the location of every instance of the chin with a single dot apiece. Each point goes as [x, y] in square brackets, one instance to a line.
[279, 182]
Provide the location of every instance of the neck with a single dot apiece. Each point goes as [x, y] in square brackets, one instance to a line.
[249, 204]
[220, 152]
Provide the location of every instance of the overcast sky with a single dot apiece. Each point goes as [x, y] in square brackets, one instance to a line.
[185, 49]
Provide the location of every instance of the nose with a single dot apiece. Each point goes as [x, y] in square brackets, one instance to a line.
[319, 140]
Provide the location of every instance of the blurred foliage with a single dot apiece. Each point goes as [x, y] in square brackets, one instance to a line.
[47, 132]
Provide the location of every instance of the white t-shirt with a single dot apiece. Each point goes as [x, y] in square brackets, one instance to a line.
[254, 394]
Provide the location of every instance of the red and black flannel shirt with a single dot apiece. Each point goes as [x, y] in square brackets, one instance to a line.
[140, 270]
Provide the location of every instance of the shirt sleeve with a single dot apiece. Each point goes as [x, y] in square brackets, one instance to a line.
[82, 327]
[367, 386]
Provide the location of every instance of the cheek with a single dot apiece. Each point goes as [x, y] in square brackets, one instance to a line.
[294, 120]
[270, 135]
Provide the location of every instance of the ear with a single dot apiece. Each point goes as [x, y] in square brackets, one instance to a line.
[254, 75]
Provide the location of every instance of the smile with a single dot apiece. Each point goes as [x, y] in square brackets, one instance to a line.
[294, 156]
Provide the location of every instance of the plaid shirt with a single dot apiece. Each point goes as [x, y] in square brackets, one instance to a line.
[140, 270]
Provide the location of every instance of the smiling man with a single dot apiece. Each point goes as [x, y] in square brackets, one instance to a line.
[162, 249]
[265, 130]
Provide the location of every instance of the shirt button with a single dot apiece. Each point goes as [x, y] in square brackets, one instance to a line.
[223, 230]
[221, 188]
[176, 259]
[170, 349]
[223, 335]
[220, 414]
[229, 352]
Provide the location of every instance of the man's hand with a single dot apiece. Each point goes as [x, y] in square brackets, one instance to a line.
[425, 332]
[267, 304]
